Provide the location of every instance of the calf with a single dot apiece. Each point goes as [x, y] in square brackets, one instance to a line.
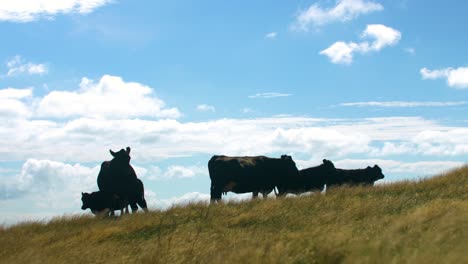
[103, 202]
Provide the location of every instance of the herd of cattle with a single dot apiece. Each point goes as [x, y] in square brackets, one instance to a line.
[263, 175]
[119, 186]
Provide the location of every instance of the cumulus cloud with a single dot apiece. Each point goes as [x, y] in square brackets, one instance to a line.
[53, 184]
[342, 52]
[404, 104]
[456, 78]
[269, 95]
[344, 10]
[17, 66]
[30, 10]
[206, 108]
[110, 97]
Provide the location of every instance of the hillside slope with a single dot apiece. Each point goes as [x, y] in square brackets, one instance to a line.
[407, 222]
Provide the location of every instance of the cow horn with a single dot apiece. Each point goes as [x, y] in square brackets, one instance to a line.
[128, 150]
[112, 152]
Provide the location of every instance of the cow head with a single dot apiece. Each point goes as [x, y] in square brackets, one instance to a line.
[288, 159]
[122, 156]
[86, 202]
[375, 173]
[290, 165]
[328, 165]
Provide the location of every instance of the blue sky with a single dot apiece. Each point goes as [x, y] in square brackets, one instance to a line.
[359, 82]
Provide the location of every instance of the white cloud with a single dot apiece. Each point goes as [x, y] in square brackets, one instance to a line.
[206, 108]
[342, 53]
[52, 184]
[269, 95]
[172, 172]
[404, 104]
[14, 103]
[383, 35]
[271, 35]
[87, 140]
[343, 11]
[12, 93]
[30, 10]
[111, 97]
[184, 172]
[17, 66]
[457, 78]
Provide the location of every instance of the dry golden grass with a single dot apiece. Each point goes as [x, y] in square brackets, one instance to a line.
[407, 222]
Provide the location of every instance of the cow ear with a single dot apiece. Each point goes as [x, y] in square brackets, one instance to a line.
[375, 166]
[128, 150]
[112, 153]
[368, 167]
[82, 193]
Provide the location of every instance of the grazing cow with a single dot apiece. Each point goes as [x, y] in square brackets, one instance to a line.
[314, 178]
[101, 203]
[258, 174]
[118, 177]
[355, 177]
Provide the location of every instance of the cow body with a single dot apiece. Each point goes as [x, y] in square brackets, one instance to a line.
[356, 177]
[257, 174]
[118, 177]
[103, 202]
[314, 178]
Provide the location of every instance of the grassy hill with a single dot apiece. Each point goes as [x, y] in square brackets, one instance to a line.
[407, 222]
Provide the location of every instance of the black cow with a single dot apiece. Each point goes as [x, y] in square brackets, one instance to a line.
[258, 174]
[101, 203]
[137, 196]
[118, 177]
[314, 178]
[355, 177]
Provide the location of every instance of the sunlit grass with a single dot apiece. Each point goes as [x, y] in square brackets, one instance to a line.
[424, 221]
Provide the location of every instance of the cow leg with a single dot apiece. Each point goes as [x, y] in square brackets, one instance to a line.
[133, 205]
[281, 192]
[215, 194]
[265, 195]
[255, 195]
